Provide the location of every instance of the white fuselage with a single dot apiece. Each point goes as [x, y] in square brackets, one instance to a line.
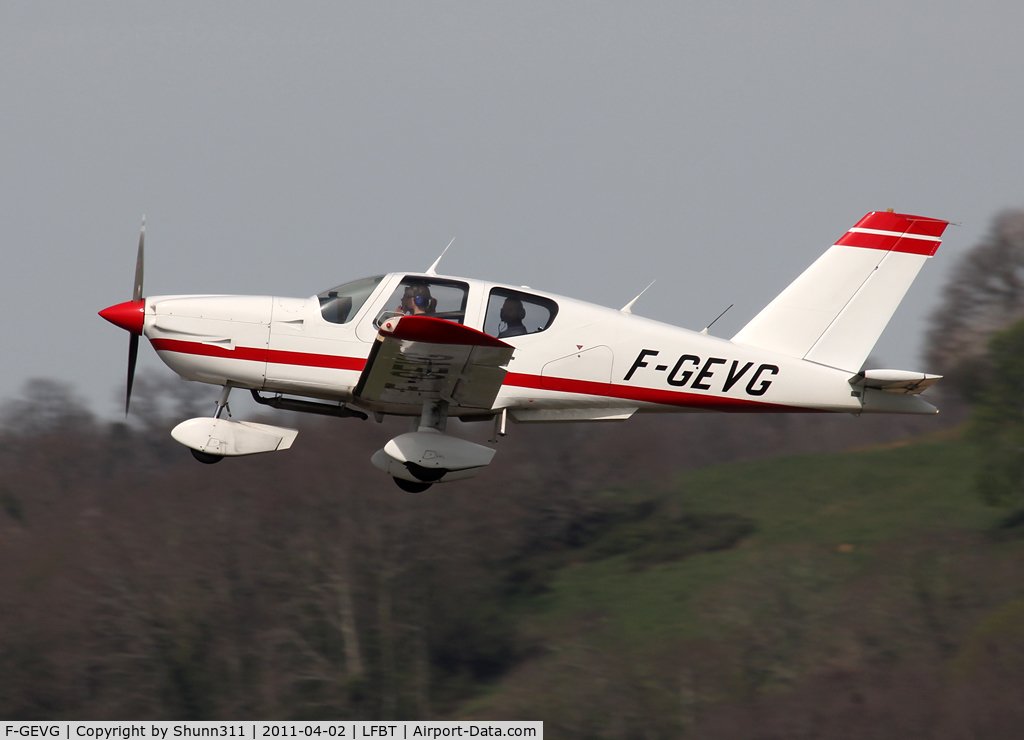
[591, 363]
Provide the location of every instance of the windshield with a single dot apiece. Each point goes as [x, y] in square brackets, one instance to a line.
[340, 305]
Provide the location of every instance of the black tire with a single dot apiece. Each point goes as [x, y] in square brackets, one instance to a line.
[411, 487]
[205, 457]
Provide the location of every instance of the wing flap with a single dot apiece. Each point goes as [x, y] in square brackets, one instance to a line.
[416, 359]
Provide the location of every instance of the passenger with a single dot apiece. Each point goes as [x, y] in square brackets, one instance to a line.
[512, 315]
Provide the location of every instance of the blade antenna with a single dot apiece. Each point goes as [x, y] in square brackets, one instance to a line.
[628, 308]
[432, 270]
[705, 329]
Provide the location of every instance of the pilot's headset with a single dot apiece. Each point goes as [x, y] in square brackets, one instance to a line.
[421, 298]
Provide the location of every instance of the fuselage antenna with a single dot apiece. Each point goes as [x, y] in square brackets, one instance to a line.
[628, 308]
[705, 329]
[432, 270]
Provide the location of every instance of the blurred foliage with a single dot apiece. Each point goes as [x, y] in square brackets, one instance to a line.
[647, 530]
[844, 614]
[997, 424]
[588, 578]
[984, 295]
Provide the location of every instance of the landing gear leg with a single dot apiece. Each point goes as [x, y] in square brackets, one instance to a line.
[500, 420]
[222, 402]
[434, 416]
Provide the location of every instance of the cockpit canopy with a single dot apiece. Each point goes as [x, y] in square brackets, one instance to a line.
[509, 312]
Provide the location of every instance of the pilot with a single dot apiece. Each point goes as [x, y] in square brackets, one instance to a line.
[417, 301]
[512, 315]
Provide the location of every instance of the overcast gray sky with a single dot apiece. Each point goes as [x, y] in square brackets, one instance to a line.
[581, 148]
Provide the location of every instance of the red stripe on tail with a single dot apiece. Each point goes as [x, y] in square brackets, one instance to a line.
[902, 226]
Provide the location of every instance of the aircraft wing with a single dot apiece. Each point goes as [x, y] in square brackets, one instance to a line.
[421, 358]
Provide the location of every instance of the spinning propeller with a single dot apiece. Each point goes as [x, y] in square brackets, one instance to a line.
[130, 316]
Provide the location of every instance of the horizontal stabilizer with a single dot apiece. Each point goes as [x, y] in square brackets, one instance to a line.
[895, 381]
[877, 401]
[835, 311]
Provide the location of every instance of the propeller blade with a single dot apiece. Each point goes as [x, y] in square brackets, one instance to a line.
[133, 356]
[139, 263]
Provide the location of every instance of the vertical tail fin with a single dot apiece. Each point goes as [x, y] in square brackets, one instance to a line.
[835, 311]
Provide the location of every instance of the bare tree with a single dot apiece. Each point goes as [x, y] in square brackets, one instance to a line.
[984, 294]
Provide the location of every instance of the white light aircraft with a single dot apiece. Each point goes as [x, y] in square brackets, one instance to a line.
[432, 347]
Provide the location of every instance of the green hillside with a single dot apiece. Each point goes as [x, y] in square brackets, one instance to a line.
[870, 562]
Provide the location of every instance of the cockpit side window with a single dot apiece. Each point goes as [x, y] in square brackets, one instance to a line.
[340, 305]
[422, 296]
[512, 313]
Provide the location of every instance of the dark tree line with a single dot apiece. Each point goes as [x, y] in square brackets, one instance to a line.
[146, 585]
[138, 583]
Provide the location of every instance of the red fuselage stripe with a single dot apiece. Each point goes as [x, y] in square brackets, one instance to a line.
[646, 395]
[681, 399]
[254, 354]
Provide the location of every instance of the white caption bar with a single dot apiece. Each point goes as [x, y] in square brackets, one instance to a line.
[266, 730]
